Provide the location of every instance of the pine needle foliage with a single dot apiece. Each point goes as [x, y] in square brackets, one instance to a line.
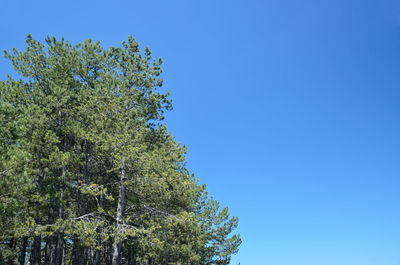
[89, 173]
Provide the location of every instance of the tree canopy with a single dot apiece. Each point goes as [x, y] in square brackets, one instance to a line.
[89, 173]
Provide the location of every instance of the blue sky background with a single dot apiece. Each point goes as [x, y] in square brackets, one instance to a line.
[290, 110]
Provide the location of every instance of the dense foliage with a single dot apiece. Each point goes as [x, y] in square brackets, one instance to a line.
[89, 173]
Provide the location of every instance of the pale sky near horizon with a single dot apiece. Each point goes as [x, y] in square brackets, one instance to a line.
[290, 111]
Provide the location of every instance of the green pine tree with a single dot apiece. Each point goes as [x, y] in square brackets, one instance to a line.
[89, 173]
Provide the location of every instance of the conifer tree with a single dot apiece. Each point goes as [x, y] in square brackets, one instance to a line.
[89, 173]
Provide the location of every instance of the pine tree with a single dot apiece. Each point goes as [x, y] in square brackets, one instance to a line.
[89, 173]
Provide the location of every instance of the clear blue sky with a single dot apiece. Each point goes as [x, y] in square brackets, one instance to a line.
[290, 110]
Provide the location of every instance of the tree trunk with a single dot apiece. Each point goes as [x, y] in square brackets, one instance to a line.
[35, 258]
[59, 249]
[85, 256]
[131, 255]
[97, 260]
[22, 250]
[80, 252]
[48, 253]
[59, 237]
[120, 214]
[35, 251]
[77, 252]
[11, 246]
[97, 256]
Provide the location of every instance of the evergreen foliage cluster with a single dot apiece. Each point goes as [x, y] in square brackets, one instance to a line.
[89, 173]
